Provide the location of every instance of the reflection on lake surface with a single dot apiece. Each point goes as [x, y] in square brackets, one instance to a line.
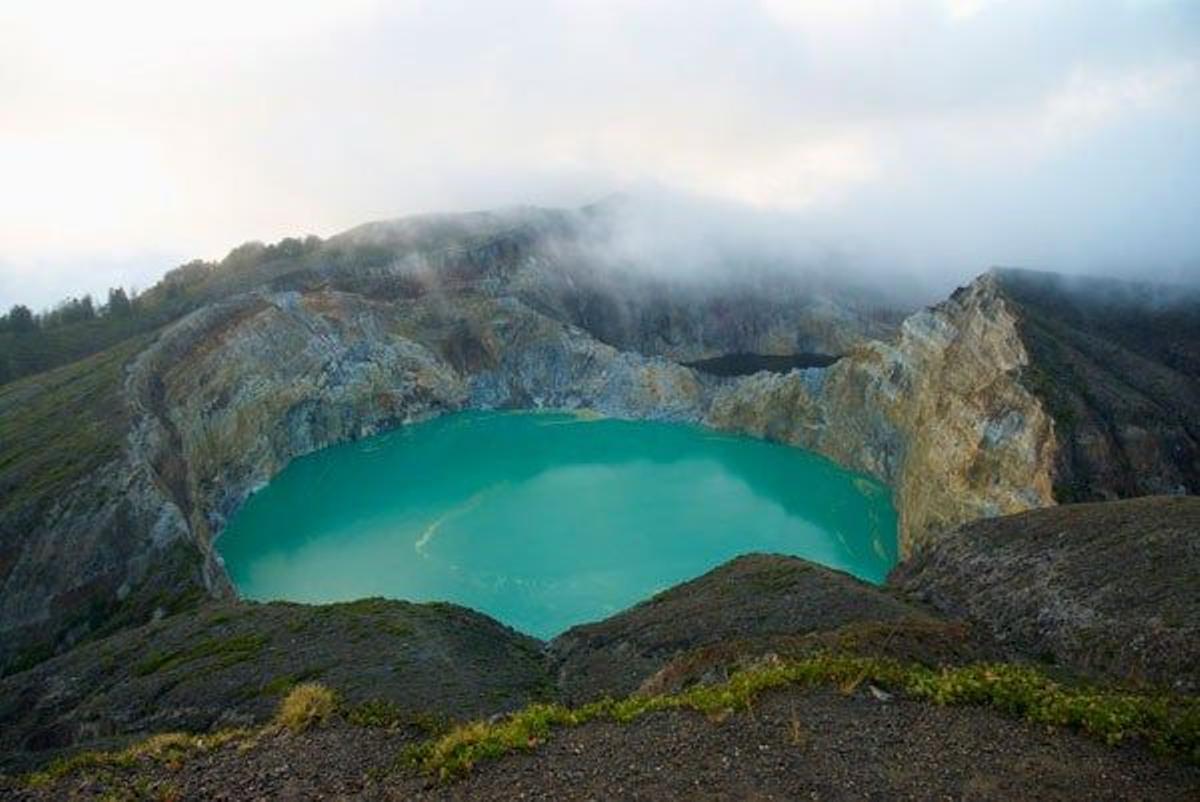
[545, 520]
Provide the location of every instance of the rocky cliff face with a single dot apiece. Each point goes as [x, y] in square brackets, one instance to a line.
[941, 415]
[224, 399]
[484, 313]
[1117, 365]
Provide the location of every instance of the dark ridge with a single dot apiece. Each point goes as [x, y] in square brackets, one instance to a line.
[746, 364]
[1117, 365]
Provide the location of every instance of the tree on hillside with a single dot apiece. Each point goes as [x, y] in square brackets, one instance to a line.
[20, 319]
[72, 310]
[118, 303]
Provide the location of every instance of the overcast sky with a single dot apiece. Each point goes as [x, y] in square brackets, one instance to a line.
[939, 135]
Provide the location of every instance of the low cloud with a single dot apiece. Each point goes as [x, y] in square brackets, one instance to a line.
[929, 138]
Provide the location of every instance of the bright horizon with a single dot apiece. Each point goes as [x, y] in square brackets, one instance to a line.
[939, 136]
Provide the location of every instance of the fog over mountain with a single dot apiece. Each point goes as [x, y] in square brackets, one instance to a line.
[928, 139]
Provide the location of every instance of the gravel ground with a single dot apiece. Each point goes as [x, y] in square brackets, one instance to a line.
[820, 745]
[794, 745]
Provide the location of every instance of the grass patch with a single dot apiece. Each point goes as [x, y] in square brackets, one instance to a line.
[169, 749]
[59, 426]
[285, 682]
[306, 706]
[386, 714]
[228, 651]
[1169, 724]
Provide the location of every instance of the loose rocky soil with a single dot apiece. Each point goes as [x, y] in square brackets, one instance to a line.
[1110, 589]
[229, 664]
[755, 596]
[795, 744]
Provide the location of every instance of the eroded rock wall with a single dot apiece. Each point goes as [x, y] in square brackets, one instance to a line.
[941, 416]
[226, 397]
[286, 374]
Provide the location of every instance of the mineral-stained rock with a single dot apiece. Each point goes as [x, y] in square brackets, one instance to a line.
[941, 415]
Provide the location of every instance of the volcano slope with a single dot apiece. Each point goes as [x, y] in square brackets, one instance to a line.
[118, 471]
[769, 677]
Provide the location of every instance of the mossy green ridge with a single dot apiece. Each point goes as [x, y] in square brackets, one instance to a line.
[1169, 724]
[226, 652]
[167, 748]
[58, 427]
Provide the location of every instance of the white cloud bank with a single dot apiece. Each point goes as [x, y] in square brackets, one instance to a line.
[936, 135]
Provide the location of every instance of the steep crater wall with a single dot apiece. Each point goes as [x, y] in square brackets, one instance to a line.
[225, 398]
[220, 401]
[942, 415]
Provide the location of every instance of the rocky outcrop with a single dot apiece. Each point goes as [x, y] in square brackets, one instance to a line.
[941, 416]
[757, 596]
[1117, 365]
[1104, 589]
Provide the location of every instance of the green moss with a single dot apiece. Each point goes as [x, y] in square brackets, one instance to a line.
[386, 714]
[59, 426]
[168, 748]
[284, 683]
[370, 606]
[227, 652]
[1169, 724]
[398, 629]
[28, 658]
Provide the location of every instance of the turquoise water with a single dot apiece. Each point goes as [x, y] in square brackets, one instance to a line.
[545, 520]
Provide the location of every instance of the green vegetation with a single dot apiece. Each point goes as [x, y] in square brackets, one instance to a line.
[227, 652]
[1171, 725]
[76, 327]
[1106, 356]
[169, 749]
[306, 706]
[386, 714]
[285, 682]
[58, 427]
